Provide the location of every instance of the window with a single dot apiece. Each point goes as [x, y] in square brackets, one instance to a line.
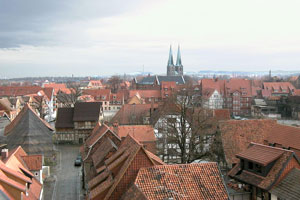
[258, 168]
[250, 165]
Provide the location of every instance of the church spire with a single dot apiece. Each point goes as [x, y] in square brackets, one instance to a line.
[170, 61]
[178, 61]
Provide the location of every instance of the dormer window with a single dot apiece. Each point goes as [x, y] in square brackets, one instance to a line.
[250, 165]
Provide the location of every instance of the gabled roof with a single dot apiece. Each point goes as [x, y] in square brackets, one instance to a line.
[264, 155]
[184, 181]
[97, 134]
[142, 133]
[145, 93]
[64, 118]
[132, 113]
[103, 150]
[5, 104]
[15, 166]
[105, 183]
[48, 92]
[33, 162]
[30, 132]
[289, 187]
[13, 91]
[261, 154]
[150, 80]
[98, 94]
[87, 111]
[280, 86]
[287, 136]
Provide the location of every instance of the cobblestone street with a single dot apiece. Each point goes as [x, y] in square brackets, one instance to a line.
[67, 185]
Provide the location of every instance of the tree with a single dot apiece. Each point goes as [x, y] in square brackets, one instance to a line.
[70, 97]
[184, 128]
[114, 82]
[39, 105]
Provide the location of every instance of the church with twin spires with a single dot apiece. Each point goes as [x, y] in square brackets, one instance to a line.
[174, 70]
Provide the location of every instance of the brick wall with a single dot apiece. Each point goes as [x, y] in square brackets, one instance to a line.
[293, 163]
[140, 160]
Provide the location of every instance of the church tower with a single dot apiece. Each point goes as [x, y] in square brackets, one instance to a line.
[174, 70]
[170, 66]
[179, 66]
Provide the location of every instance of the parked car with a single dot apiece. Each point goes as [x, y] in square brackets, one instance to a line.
[78, 161]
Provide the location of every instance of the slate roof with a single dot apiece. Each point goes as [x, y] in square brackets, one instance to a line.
[150, 80]
[87, 111]
[184, 181]
[264, 182]
[30, 132]
[64, 118]
[289, 187]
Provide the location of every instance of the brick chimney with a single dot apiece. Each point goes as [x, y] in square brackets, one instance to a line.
[4, 154]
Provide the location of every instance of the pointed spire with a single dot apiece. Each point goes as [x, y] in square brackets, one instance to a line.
[170, 61]
[178, 61]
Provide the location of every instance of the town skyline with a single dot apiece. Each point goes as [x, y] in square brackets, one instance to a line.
[104, 38]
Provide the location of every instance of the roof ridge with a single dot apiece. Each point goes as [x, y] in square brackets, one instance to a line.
[270, 147]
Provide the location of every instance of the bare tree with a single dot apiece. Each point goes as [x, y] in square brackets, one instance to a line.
[68, 99]
[186, 128]
[39, 105]
[114, 82]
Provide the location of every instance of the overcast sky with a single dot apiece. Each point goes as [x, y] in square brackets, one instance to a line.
[104, 37]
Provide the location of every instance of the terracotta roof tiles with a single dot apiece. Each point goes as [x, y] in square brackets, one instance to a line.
[33, 162]
[184, 181]
[261, 154]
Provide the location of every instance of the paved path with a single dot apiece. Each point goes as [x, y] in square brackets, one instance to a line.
[68, 176]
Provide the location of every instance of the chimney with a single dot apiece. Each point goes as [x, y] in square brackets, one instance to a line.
[4, 154]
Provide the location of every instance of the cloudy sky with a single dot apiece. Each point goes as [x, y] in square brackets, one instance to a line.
[101, 37]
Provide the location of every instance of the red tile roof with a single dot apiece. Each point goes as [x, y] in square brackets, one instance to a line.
[146, 93]
[33, 162]
[284, 162]
[98, 94]
[222, 114]
[132, 114]
[287, 136]
[95, 83]
[13, 91]
[16, 167]
[238, 134]
[186, 181]
[226, 87]
[261, 154]
[103, 186]
[281, 87]
[142, 133]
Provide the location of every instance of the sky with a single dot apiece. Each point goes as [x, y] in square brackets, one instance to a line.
[100, 37]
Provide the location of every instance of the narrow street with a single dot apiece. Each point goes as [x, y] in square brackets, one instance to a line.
[68, 176]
